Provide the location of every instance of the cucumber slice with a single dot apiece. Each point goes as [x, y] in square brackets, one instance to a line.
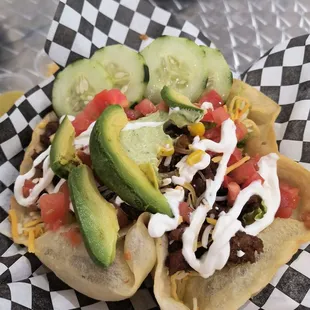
[126, 69]
[175, 62]
[219, 75]
[77, 84]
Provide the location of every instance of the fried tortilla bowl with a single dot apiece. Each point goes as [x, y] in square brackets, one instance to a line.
[232, 286]
[73, 265]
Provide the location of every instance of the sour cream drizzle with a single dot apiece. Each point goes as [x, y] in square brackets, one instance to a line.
[45, 182]
[160, 223]
[138, 125]
[228, 225]
[187, 172]
[47, 178]
[226, 146]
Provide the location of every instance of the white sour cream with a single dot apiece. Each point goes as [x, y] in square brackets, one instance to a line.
[226, 146]
[138, 125]
[207, 106]
[187, 172]
[45, 182]
[228, 224]
[160, 223]
[46, 179]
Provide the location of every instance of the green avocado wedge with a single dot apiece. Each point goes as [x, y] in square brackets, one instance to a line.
[63, 157]
[96, 217]
[116, 170]
[182, 111]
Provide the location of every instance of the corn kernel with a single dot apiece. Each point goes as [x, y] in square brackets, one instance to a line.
[211, 221]
[194, 157]
[166, 151]
[196, 129]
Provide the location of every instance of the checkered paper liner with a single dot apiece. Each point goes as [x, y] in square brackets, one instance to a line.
[80, 28]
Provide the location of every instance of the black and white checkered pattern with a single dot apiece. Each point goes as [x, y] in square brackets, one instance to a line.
[79, 28]
[284, 75]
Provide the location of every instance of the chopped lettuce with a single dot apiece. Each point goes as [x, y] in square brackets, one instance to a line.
[257, 214]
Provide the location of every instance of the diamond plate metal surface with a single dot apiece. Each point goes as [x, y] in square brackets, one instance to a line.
[242, 29]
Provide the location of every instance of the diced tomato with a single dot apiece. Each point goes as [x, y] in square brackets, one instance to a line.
[213, 134]
[185, 211]
[208, 117]
[162, 106]
[109, 97]
[220, 115]
[122, 217]
[96, 106]
[28, 186]
[284, 213]
[244, 172]
[289, 196]
[241, 130]
[85, 158]
[55, 207]
[254, 177]
[235, 156]
[289, 200]
[213, 97]
[233, 192]
[145, 107]
[227, 180]
[74, 236]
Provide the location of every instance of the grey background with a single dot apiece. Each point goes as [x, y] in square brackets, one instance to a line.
[242, 29]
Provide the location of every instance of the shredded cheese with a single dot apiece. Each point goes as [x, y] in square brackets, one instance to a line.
[13, 218]
[32, 223]
[211, 221]
[217, 159]
[238, 107]
[237, 164]
[31, 248]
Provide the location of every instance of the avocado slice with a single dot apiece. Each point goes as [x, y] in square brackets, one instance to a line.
[116, 170]
[97, 218]
[182, 111]
[63, 157]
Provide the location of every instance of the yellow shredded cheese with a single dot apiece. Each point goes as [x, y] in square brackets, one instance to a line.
[217, 159]
[238, 107]
[13, 219]
[31, 237]
[211, 221]
[32, 223]
[237, 164]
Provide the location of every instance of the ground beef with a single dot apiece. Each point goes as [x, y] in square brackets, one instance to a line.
[50, 129]
[199, 183]
[176, 234]
[250, 245]
[174, 246]
[176, 262]
[253, 203]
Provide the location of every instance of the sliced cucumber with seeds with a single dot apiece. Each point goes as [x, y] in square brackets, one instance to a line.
[175, 62]
[126, 69]
[219, 75]
[77, 84]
